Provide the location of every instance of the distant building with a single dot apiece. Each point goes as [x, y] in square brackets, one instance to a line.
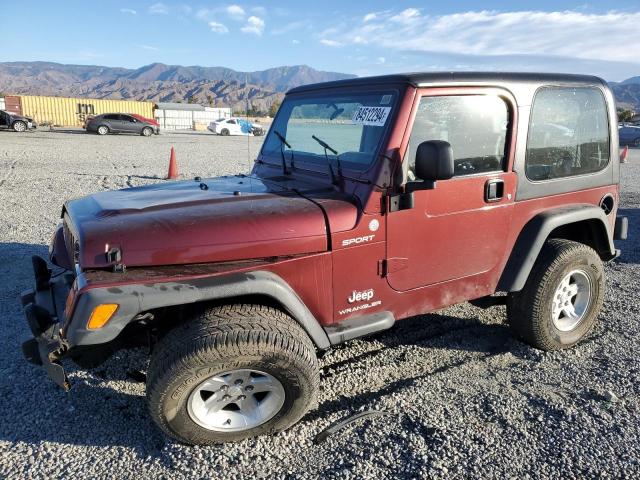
[188, 116]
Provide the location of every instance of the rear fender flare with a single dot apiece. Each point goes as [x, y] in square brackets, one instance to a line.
[138, 298]
[537, 231]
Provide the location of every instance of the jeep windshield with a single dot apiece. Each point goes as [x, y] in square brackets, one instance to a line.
[352, 123]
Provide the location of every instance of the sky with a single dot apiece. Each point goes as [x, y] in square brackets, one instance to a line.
[359, 37]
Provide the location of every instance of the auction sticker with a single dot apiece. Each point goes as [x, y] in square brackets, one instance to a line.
[376, 116]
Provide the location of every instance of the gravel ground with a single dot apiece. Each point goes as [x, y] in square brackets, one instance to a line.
[465, 399]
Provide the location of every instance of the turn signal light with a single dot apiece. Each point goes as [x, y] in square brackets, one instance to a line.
[101, 315]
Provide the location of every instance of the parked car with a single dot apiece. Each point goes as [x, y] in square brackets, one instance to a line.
[152, 121]
[17, 123]
[629, 135]
[122, 123]
[235, 126]
[372, 200]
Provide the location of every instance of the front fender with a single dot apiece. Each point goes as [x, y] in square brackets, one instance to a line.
[138, 298]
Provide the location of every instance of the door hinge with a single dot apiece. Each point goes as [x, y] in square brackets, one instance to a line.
[391, 265]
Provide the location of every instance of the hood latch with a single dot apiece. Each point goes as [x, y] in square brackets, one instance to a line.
[114, 256]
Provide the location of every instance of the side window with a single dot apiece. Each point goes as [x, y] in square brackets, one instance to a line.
[126, 118]
[568, 133]
[476, 126]
[233, 122]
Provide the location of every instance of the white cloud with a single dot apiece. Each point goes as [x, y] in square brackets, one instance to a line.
[130, 11]
[289, 27]
[407, 16]
[158, 9]
[368, 17]
[381, 60]
[235, 11]
[331, 43]
[608, 36]
[295, 42]
[255, 25]
[259, 11]
[149, 47]
[218, 27]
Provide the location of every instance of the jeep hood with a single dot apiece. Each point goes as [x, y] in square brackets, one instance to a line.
[220, 219]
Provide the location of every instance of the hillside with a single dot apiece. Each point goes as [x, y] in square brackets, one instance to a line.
[628, 93]
[217, 86]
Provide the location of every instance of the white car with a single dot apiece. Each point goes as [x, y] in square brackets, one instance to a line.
[235, 126]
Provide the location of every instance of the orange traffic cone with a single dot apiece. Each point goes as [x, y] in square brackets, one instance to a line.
[624, 154]
[173, 166]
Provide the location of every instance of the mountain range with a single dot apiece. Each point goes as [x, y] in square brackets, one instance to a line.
[627, 93]
[215, 86]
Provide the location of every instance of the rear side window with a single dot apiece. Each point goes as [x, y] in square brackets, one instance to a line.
[568, 133]
[475, 126]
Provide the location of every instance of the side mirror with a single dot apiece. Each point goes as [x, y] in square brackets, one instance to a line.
[434, 161]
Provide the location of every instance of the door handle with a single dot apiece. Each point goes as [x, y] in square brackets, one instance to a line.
[493, 190]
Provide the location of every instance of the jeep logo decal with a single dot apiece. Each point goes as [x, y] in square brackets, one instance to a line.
[364, 295]
[352, 241]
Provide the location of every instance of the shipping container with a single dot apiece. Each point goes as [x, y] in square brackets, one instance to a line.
[13, 104]
[72, 112]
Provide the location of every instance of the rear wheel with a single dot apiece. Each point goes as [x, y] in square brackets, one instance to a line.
[147, 131]
[224, 132]
[230, 373]
[19, 126]
[561, 300]
[636, 142]
[103, 130]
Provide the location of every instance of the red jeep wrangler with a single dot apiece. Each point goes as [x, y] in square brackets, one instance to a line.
[372, 200]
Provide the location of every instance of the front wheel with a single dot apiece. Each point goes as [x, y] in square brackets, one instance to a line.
[636, 142]
[561, 300]
[19, 126]
[231, 373]
[147, 131]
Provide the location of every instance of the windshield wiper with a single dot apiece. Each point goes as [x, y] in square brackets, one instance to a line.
[283, 142]
[326, 147]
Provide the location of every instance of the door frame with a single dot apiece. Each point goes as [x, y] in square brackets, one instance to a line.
[506, 173]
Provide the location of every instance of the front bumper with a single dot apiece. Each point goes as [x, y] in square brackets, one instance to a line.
[44, 312]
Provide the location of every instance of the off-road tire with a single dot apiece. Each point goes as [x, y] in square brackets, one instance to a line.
[146, 132]
[102, 130]
[530, 311]
[227, 338]
[224, 132]
[19, 126]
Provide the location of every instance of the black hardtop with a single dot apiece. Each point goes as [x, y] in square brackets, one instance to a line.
[422, 79]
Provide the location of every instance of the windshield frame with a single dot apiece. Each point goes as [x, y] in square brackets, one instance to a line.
[319, 165]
